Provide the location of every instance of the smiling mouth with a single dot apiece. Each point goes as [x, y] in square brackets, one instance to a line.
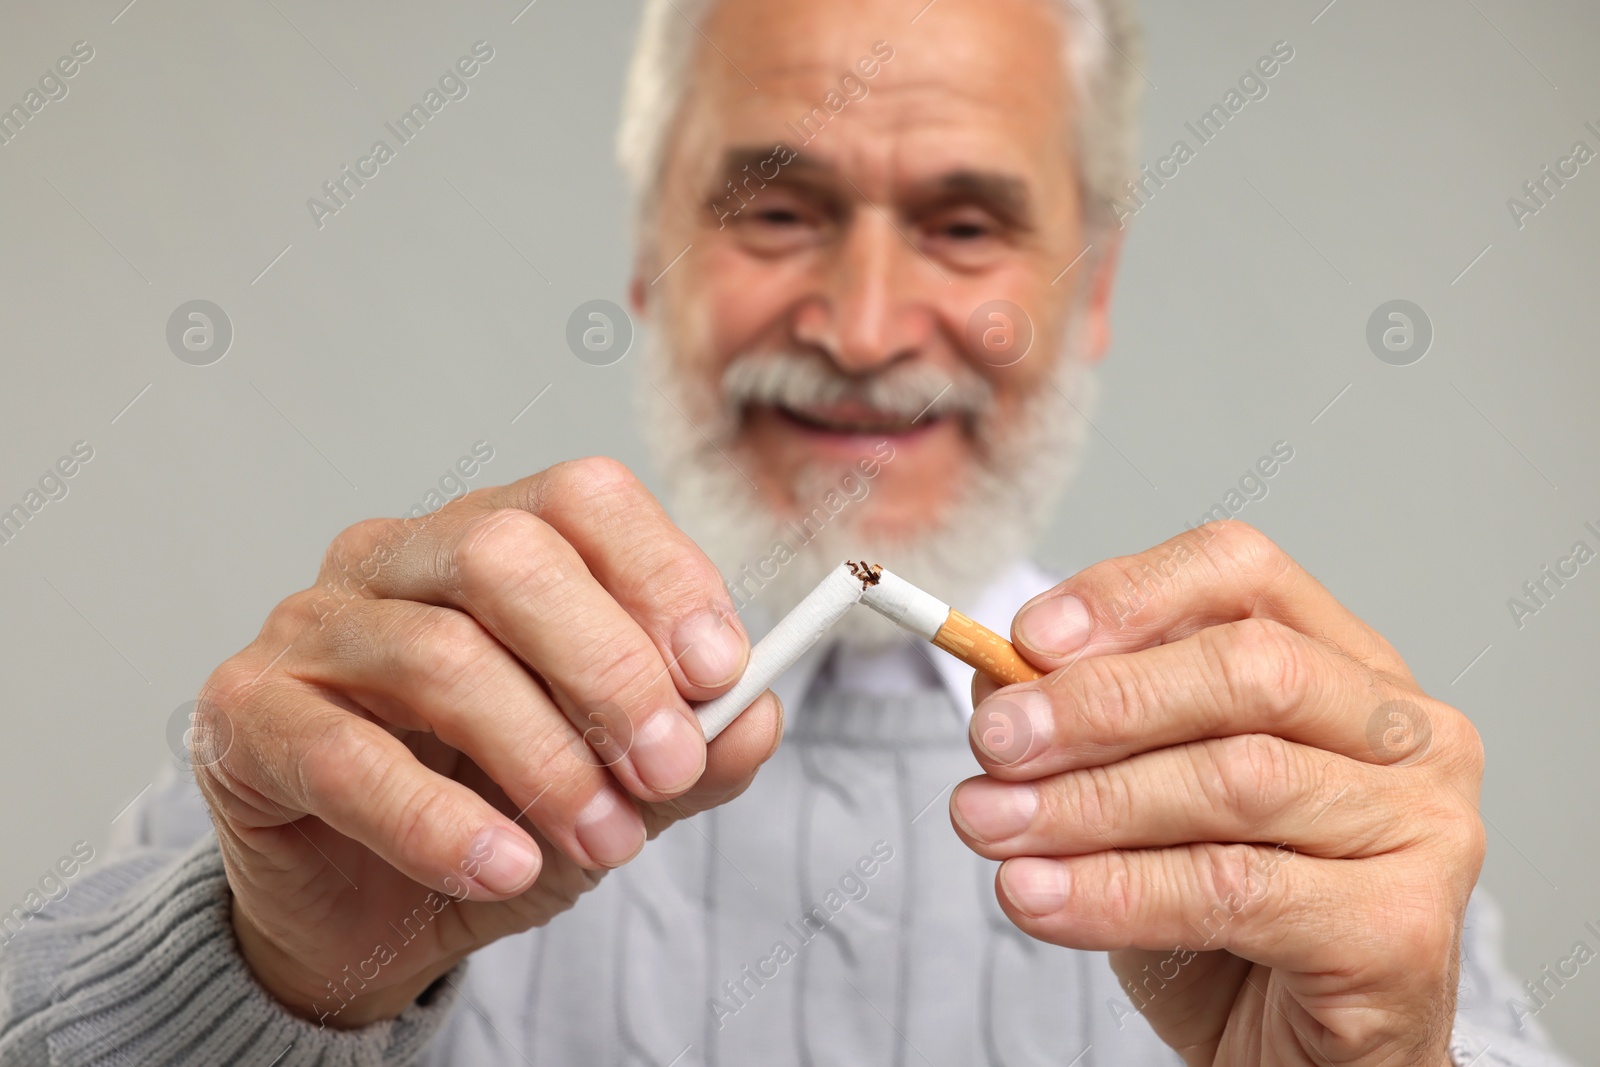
[855, 419]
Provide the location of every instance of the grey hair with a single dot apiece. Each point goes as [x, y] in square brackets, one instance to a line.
[1105, 50]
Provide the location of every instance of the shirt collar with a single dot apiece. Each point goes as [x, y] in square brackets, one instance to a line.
[917, 664]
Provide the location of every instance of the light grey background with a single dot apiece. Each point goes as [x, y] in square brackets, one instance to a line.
[427, 314]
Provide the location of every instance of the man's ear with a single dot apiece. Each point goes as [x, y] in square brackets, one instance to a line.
[1098, 339]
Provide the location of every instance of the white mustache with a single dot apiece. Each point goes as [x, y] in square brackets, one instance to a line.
[804, 380]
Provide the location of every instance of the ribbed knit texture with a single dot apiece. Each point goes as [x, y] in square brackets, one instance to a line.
[752, 934]
[138, 965]
[676, 958]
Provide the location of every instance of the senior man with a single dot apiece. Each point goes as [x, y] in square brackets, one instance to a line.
[438, 749]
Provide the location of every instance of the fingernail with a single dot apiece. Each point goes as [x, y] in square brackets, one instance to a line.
[1037, 887]
[710, 650]
[1013, 725]
[506, 862]
[994, 811]
[668, 751]
[1055, 627]
[609, 829]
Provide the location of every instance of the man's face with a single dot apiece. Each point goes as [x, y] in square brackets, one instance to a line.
[888, 178]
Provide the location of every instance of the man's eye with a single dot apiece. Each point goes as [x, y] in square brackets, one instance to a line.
[961, 227]
[778, 217]
[965, 231]
[777, 227]
[964, 239]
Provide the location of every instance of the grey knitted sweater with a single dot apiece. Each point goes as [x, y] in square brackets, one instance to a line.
[828, 916]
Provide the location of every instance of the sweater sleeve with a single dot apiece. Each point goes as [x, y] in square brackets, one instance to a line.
[138, 964]
[1495, 1025]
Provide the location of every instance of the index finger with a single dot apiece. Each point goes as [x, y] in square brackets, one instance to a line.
[623, 537]
[1214, 574]
[1249, 677]
[659, 576]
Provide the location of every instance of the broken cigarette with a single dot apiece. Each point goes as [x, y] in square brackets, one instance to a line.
[914, 610]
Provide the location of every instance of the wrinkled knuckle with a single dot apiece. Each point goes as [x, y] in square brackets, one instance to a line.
[1120, 574]
[1468, 746]
[1099, 800]
[1473, 838]
[547, 759]
[328, 635]
[1460, 830]
[684, 578]
[594, 478]
[358, 538]
[1252, 775]
[298, 613]
[1262, 663]
[1234, 877]
[355, 543]
[1199, 538]
[295, 610]
[1413, 924]
[620, 677]
[1121, 891]
[1109, 701]
[1235, 540]
[230, 686]
[1235, 547]
[335, 591]
[415, 814]
[441, 650]
[1127, 586]
[219, 705]
[493, 546]
[233, 701]
[334, 758]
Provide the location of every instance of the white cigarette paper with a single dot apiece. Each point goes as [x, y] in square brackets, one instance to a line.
[775, 653]
[899, 601]
[903, 603]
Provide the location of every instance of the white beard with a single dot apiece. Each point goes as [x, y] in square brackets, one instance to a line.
[991, 522]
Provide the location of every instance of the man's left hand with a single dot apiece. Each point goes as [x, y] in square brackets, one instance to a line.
[1235, 787]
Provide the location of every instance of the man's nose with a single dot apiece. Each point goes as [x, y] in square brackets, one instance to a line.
[866, 310]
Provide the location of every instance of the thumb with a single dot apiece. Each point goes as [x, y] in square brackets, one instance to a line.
[732, 759]
[1186, 996]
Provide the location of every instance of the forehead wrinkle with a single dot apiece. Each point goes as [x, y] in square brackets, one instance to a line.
[861, 130]
[886, 142]
[940, 92]
[976, 41]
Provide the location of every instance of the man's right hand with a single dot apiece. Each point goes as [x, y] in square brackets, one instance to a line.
[488, 704]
